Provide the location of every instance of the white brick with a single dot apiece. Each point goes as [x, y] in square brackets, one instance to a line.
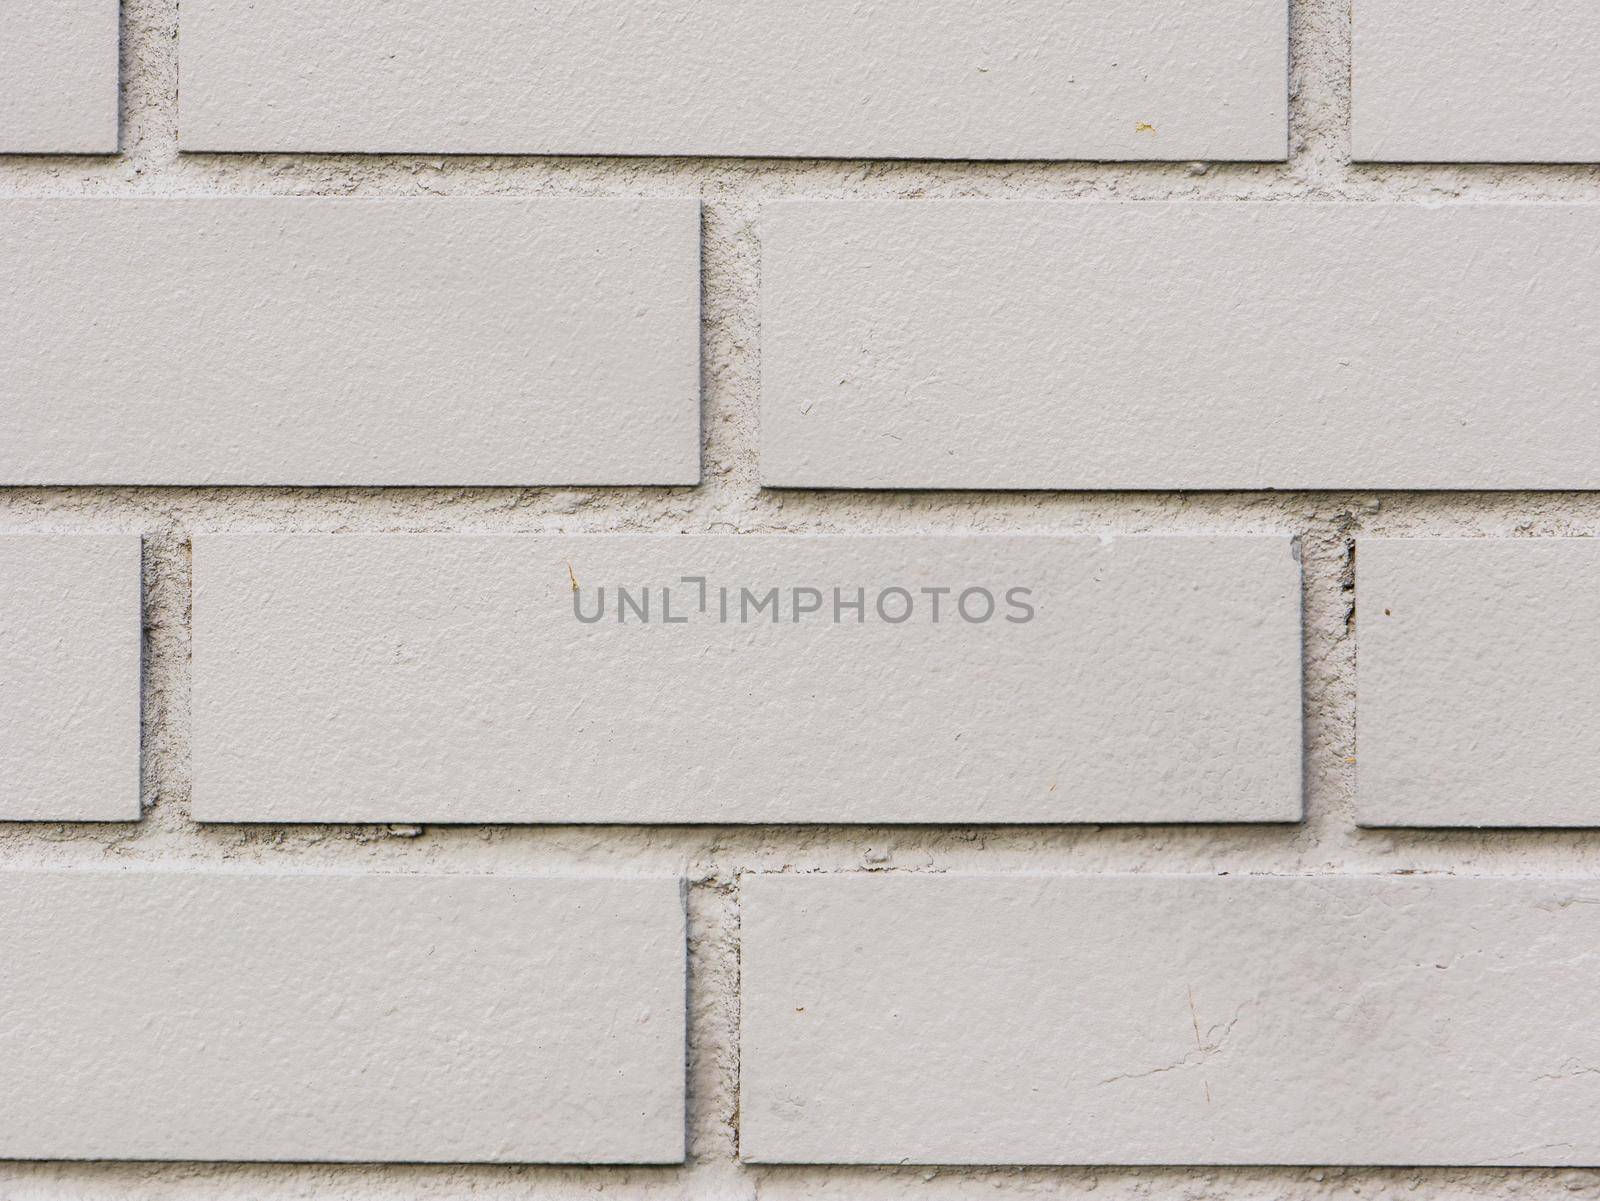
[1098, 79]
[1479, 681]
[1442, 81]
[446, 679]
[993, 344]
[58, 76]
[180, 1015]
[1150, 1020]
[318, 341]
[69, 677]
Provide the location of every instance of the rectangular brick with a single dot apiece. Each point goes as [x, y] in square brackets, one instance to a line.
[1003, 344]
[1439, 81]
[329, 341]
[447, 678]
[1168, 1020]
[1032, 79]
[1479, 681]
[69, 677]
[210, 1016]
[58, 76]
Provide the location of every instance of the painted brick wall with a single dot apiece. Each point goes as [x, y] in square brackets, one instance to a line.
[709, 599]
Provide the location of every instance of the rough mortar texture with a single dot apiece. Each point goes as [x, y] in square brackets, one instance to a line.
[730, 500]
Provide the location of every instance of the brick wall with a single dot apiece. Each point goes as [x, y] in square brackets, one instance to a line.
[728, 600]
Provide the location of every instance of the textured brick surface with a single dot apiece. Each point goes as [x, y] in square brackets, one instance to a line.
[439, 678]
[189, 1015]
[1436, 81]
[1479, 681]
[58, 76]
[1005, 345]
[314, 341]
[69, 677]
[1043, 1019]
[1500, 384]
[1100, 79]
